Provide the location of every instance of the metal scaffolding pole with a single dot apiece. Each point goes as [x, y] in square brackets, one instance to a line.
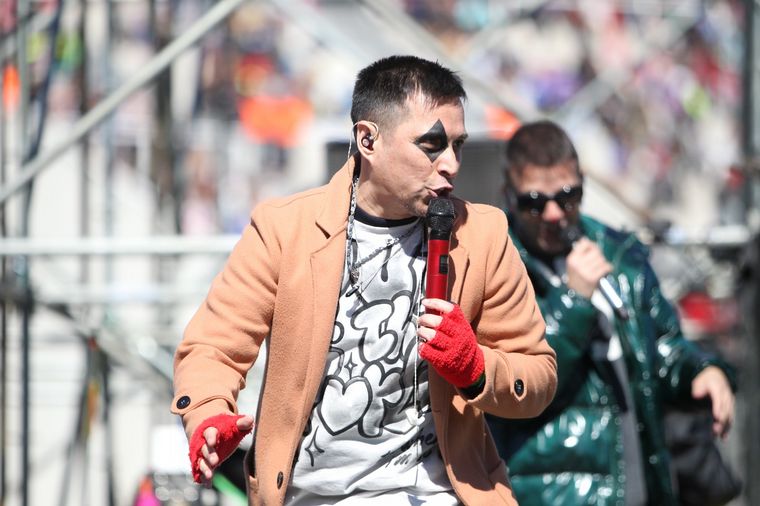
[3, 305]
[609, 81]
[22, 12]
[397, 20]
[751, 286]
[142, 77]
[31, 164]
[119, 246]
[36, 23]
[751, 109]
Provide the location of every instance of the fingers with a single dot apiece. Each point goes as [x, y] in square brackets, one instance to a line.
[439, 305]
[722, 404]
[586, 265]
[425, 334]
[586, 249]
[713, 383]
[699, 390]
[210, 455]
[722, 424]
[210, 459]
[721, 429]
[210, 436]
[431, 319]
[245, 423]
[723, 412]
[207, 471]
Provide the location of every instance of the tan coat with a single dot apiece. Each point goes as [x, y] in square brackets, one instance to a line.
[282, 282]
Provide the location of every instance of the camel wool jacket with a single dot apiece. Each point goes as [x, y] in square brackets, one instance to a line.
[282, 282]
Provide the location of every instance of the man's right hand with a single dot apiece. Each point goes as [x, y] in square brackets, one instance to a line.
[215, 440]
[586, 265]
[712, 382]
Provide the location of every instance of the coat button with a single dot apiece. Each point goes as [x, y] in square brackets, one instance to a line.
[519, 387]
[183, 402]
[279, 479]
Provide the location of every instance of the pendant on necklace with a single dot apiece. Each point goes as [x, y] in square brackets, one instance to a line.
[414, 417]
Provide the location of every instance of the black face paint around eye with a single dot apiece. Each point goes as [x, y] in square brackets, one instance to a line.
[434, 141]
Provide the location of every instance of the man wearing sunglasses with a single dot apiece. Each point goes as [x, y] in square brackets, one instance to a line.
[601, 440]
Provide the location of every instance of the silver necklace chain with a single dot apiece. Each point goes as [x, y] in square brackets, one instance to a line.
[354, 265]
[413, 414]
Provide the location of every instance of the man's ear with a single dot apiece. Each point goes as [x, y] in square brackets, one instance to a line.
[366, 133]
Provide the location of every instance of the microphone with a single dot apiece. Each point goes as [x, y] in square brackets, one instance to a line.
[440, 221]
[570, 236]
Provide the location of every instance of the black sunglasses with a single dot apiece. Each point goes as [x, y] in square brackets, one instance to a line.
[568, 198]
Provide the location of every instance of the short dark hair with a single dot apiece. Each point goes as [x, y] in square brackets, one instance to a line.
[542, 143]
[388, 83]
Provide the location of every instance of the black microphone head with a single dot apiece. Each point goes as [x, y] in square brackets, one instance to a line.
[440, 217]
[570, 234]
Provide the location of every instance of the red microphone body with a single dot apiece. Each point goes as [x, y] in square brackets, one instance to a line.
[440, 220]
[437, 280]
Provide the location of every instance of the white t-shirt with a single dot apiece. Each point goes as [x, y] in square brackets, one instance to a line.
[370, 437]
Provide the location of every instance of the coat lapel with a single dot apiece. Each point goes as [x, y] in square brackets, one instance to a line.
[459, 263]
[327, 262]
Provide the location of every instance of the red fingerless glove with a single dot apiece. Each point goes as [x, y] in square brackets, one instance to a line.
[227, 440]
[454, 351]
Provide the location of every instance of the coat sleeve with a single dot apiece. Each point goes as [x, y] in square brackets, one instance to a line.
[520, 366]
[223, 338]
[678, 359]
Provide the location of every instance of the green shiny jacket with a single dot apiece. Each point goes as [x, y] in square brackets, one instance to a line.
[572, 454]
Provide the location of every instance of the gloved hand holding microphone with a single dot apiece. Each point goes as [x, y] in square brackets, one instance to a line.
[448, 342]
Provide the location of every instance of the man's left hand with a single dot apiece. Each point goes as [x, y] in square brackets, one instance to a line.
[712, 382]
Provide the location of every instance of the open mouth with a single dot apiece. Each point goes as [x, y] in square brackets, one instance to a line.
[442, 193]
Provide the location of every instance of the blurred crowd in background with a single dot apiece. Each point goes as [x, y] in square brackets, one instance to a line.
[650, 91]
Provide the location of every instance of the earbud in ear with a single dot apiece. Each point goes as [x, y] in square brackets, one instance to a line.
[367, 141]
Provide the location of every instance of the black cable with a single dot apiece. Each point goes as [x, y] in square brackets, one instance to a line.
[23, 264]
[3, 309]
